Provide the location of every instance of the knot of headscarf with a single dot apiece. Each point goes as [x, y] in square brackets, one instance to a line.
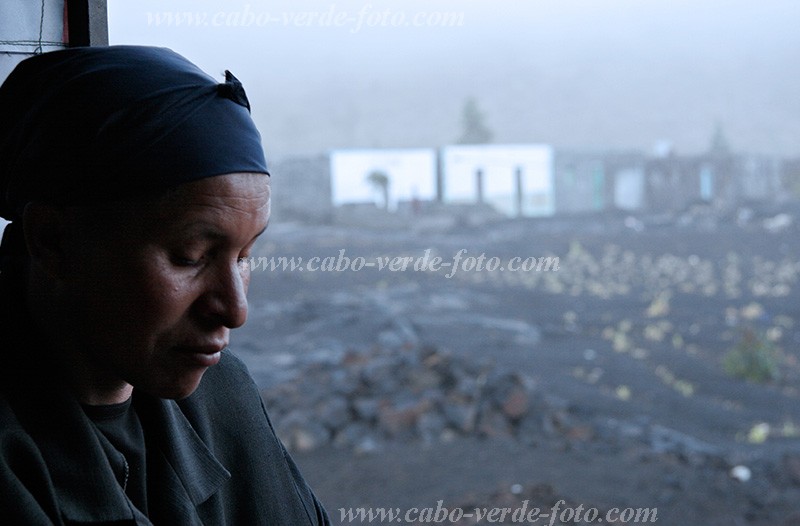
[233, 90]
[84, 125]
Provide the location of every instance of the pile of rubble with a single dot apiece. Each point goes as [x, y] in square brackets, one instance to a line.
[360, 400]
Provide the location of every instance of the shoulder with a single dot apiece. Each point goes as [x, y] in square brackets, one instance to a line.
[229, 379]
[227, 397]
[12, 432]
[18, 412]
[18, 449]
[28, 496]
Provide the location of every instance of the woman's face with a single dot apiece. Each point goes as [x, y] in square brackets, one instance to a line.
[152, 290]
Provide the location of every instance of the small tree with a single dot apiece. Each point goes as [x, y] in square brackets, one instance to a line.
[380, 181]
[474, 123]
[753, 358]
[719, 145]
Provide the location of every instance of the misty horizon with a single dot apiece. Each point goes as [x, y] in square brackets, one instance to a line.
[576, 75]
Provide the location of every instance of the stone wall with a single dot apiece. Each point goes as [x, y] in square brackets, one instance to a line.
[364, 399]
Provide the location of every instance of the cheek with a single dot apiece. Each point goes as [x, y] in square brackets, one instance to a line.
[165, 295]
[145, 296]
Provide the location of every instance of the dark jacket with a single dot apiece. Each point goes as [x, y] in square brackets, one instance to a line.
[212, 458]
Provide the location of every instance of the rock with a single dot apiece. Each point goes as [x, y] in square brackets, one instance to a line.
[381, 375]
[358, 398]
[400, 421]
[460, 416]
[515, 404]
[366, 409]
[430, 426]
[299, 431]
[466, 386]
[390, 340]
[334, 412]
[556, 423]
[492, 424]
[665, 440]
[340, 381]
[530, 430]
[741, 473]
[425, 379]
[499, 388]
[353, 436]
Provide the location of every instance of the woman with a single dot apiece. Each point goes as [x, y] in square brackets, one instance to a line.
[136, 186]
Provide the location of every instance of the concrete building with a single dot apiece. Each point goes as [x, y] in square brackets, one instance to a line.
[516, 180]
[724, 181]
[673, 183]
[383, 177]
[594, 182]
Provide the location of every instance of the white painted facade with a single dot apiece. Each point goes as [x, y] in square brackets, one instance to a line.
[499, 166]
[629, 189]
[411, 174]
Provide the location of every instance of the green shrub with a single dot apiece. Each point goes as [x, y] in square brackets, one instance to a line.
[753, 358]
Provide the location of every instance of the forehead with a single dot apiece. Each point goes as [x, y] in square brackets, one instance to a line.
[232, 197]
[225, 200]
[227, 189]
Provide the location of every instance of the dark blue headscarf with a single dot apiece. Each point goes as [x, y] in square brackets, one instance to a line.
[86, 125]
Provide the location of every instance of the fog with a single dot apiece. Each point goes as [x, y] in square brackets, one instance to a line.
[574, 74]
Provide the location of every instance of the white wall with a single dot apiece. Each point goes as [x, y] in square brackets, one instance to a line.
[629, 189]
[499, 164]
[411, 172]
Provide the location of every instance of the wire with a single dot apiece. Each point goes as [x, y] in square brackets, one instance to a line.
[38, 49]
[38, 44]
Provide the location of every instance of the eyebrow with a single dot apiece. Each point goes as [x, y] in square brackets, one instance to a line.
[207, 231]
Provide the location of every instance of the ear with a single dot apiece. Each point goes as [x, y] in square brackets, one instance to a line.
[45, 231]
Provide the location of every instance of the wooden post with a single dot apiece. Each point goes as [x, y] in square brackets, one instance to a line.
[479, 185]
[86, 23]
[439, 176]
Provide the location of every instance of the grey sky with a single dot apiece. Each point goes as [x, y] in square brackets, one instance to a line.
[577, 74]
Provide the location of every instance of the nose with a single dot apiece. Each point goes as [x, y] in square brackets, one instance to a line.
[226, 297]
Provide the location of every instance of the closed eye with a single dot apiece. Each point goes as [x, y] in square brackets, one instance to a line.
[187, 262]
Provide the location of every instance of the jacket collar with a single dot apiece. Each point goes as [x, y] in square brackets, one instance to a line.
[77, 456]
[198, 470]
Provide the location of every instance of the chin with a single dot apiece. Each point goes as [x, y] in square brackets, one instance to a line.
[177, 389]
[180, 395]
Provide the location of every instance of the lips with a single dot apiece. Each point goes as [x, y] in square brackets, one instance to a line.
[202, 355]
